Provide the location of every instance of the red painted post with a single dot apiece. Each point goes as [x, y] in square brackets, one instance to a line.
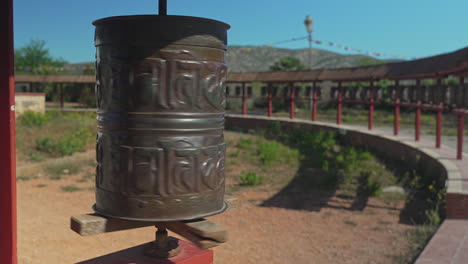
[417, 131]
[291, 101]
[270, 101]
[340, 104]
[62, 96]
[371, 106]
[461, 122]
[396, 117]
[314, 101]
[244, 100]
[439, 119]
[8, 252]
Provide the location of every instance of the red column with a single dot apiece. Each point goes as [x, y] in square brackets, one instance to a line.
[270, 101]
[244, 100]
[291, 101]
[371, 106]
[397, 111]
[439, 119]
[340, 104]
[314, 101]
[417, 121]
[62, 96]
[7, 137]
[461, 123]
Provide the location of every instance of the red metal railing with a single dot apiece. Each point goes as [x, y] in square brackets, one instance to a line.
[437, 98]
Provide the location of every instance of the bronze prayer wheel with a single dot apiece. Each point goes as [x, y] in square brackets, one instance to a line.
[160, 93]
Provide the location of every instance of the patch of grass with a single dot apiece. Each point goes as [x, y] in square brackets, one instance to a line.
[392, 197]
[70, 188]
[234, 154]
[30, 118]
[23, 178]
[244, 143]
[250, 178]
[271, 152]
[349, 222]
[41, 185]
[36, 157]
[63, 168]
[419, 236]
[69, 143]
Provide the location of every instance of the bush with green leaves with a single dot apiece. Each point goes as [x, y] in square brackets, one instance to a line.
[250, 178]
[30, 118]
[69, 143]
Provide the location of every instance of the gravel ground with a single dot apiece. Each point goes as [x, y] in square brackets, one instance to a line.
[257, 234]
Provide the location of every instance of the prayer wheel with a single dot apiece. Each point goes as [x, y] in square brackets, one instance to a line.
[160, 95]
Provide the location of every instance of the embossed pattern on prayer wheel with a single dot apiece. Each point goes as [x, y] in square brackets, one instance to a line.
[160, 93]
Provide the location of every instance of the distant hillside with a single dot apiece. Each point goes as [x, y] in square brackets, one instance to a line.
[259, 59]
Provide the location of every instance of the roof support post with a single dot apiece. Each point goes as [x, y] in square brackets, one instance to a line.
[370, 120]
[340, 104]
[8, 238]
[439, 119]
[314, 101]
[417, 119]
[396, 114]
[244, 100]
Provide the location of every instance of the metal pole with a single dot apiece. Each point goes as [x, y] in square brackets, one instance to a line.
[291, 102]
[371, 106]
[339, 106]
[162, 7]
[314, 101]
[417, 131]
[244, 100]
[310, 50]
[270, 101]
[8, 238]
[397, 110]
[439, 119]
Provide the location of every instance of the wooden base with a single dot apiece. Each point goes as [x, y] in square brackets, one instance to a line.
[190, 254]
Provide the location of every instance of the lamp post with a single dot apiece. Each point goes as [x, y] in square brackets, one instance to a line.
[308, 22]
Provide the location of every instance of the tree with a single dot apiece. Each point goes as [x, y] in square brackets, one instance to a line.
[288, 64]
[35, 58]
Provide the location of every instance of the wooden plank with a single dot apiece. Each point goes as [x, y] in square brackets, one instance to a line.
[200, 227]
[93, 224]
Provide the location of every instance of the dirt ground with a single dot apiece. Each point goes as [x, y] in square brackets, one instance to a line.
[257, 234]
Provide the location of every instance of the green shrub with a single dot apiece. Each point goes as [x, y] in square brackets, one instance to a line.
[69, 143]
[72, 142]
[45, 144]
[244, 143]
[374, 187]
[250, 178]
[269, 152]
[30, 118]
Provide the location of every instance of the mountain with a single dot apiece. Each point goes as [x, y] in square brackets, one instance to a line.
[259, 59]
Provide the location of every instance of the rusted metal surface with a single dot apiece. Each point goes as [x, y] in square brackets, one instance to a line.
[160, 95]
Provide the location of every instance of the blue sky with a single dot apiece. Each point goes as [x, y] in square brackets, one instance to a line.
[402, 27]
